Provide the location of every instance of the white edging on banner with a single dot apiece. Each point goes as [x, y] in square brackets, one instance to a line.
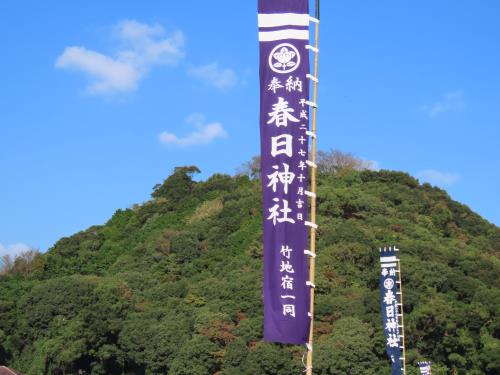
[283, 19]
[269, 36]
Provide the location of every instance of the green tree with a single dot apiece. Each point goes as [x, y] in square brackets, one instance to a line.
[347, 350]
[179, 185]
[197, 356]
[173, 285]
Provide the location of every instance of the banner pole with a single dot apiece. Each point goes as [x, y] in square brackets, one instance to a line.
[402, 316]
[312, 268]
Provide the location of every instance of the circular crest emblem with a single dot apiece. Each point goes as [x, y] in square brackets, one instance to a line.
[388, 283]
[284, 58]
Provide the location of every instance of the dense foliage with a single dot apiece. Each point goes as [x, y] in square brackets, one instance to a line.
[173, 286]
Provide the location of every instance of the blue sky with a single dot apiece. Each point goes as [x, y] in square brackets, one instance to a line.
[100, 100]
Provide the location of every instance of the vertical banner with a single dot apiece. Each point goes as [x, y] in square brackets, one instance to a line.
[284, 121]
[390, 303]
[425, 368]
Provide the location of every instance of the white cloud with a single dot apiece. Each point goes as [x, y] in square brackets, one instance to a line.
[214, 76]
[451, 101]
[204, 134]
[141, 47]
[145, 45]
[438, 178]
[14, 249]
[107, 74]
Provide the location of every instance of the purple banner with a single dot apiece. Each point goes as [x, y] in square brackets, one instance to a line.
[390, 302]
[284, 120]
[425, 368]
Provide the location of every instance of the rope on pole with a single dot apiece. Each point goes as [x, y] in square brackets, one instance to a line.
[402, 316]
[312, 248]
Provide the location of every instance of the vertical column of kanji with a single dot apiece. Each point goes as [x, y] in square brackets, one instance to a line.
[284, 121]
[391, 307]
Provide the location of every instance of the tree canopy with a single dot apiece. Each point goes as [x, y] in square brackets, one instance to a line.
[173, 285]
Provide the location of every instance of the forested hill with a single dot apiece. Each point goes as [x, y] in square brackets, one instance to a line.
[173, 286]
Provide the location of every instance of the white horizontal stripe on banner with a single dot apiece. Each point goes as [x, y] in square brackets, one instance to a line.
[388, 259]
[283, 19]
[269, 36]
[388, 265]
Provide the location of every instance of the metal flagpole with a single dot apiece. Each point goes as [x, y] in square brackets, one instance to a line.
[313, 195]
[401, 314]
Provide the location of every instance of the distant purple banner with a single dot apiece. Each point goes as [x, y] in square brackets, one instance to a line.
[390, 302]
[425, 368]
[284, 120]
